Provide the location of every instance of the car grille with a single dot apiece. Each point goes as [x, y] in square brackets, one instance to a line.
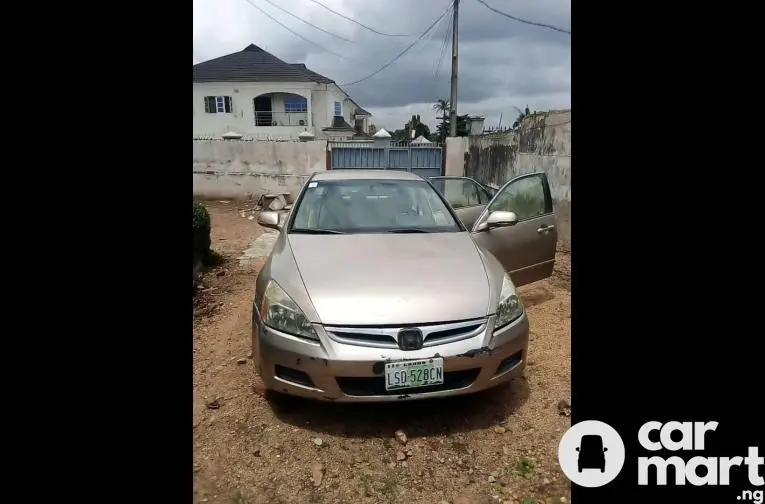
[387, 337]
[453, 380]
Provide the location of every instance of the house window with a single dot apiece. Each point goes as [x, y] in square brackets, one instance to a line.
[338, 108]
[218, 104]
[296, 105]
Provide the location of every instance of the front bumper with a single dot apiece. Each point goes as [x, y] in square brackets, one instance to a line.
[332, 371]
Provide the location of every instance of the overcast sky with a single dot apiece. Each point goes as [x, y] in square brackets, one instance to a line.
[502, 63]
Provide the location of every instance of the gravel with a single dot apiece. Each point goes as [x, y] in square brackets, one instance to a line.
[256, 448]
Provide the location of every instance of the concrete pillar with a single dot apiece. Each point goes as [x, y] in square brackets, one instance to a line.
[382, 139]
[310, 112]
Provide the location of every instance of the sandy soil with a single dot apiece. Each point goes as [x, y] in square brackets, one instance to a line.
[496, 446]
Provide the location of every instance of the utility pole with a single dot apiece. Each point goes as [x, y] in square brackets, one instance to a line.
[453, 100]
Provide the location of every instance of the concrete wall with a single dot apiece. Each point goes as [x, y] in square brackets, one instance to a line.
[542, 143]
[234, 169]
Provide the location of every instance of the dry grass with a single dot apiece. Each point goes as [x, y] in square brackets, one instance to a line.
[253, 450]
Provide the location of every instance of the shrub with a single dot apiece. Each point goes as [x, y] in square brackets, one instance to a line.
[201, 228]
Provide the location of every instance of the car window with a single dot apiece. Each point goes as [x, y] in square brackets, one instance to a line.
[370, 206]
[525, 197]
[461, 193]
[592, 443]
[483, 195]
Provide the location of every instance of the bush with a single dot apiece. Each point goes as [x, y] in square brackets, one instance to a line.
[201, 228]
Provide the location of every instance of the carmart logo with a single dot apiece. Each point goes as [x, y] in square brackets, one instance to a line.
[716, 470]
[591, 454]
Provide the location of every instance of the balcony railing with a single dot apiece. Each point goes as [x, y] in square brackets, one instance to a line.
[281, 119]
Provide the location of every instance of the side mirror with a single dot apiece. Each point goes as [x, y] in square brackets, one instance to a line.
[501, 219]
[605, 449]
[577, 448]
[269, 220]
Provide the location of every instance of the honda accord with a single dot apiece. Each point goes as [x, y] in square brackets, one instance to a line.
[376, 290]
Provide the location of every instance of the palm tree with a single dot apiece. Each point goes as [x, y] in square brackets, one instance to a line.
[522, 114]
[444, 108]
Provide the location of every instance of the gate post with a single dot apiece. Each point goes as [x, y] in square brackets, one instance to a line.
[382, 139]
[443, 159]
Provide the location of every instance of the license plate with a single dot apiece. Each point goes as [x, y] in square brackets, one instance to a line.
[414, 373]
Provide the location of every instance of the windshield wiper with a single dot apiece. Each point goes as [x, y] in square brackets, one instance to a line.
[315, 231]
[408, 230]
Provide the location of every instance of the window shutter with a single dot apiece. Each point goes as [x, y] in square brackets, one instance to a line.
[228, 104]
[209, 104]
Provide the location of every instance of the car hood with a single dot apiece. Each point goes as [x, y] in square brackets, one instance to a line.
[392, 279]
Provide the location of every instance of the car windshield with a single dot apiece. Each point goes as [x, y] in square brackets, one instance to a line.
[372, 206]
[592, 443]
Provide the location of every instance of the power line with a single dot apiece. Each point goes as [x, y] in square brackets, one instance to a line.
[429, 37]
[444, 45]
[402, 53]
[525, 21]
[307, 22]
[296, 33]
[442, 52]
[357, 22]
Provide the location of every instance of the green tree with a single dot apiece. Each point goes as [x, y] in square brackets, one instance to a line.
[463, 129]
[442, 130]
[522, 114]
[442, 107]
[414, 124]
[418, 127]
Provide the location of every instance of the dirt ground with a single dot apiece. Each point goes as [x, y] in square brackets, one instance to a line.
[495, 446]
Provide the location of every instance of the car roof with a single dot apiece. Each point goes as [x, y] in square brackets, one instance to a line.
[365, 175]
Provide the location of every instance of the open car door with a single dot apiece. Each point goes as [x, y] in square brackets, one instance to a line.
[467, 197]
[518, 228]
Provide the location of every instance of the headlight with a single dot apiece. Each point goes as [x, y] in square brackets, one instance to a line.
[510, 306]
[280, 312]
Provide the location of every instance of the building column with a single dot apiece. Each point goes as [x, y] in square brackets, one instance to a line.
[309, 120]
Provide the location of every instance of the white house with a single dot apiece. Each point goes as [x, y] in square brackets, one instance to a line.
[254, 93]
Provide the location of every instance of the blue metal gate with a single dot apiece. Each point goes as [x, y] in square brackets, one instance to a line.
[424, 160]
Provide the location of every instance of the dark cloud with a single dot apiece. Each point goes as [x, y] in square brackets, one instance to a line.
[502, 63]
